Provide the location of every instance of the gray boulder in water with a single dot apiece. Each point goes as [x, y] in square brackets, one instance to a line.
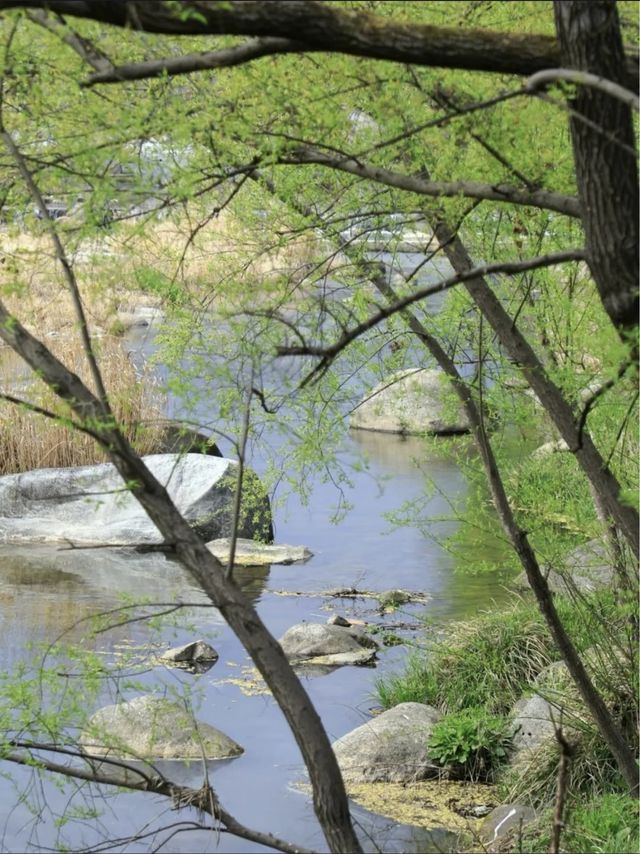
[328, 645]
[151, 727]
[414, 401]
[90, 504]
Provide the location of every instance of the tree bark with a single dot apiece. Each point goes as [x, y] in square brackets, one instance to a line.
[603, 149]
[327, 27]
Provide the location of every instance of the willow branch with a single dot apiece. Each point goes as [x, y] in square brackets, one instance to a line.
[190, 62]
[328, 27]
[542, 79]
[544, 199]
[204, 799]
[328, 354]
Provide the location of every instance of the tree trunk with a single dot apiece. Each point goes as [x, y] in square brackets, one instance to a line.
[604, 484]
[604, 154]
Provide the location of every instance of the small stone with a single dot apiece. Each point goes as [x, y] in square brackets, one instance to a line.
[502, 820]
[252, 553]
[194, 653]
[337, 620]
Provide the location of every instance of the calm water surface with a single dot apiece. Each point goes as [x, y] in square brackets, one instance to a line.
[46, 593]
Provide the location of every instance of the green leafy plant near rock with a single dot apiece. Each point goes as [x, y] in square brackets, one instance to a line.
[472, 744]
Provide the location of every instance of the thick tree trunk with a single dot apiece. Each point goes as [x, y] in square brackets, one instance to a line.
[604, 154]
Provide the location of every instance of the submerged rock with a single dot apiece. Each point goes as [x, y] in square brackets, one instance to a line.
[252, 553]
[391, 747]
[90, 504]
[154, 728]
[328, 645]
[414, 401]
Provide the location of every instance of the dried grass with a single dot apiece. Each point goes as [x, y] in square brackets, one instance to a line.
[31, 441]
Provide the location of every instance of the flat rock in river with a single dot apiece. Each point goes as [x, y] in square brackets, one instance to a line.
[91, 505]
[328, 645]
[413, 401]
[252, 553]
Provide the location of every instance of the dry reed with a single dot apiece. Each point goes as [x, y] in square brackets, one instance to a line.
[31, 441]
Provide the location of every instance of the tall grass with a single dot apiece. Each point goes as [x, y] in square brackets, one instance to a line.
[31, 441]
[491, 660]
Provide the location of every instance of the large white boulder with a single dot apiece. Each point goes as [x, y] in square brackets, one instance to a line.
[90, 504]
[409, 402]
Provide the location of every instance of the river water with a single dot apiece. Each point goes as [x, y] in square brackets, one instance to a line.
[46, 592]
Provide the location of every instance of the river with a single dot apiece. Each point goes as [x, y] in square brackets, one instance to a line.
[44, 592]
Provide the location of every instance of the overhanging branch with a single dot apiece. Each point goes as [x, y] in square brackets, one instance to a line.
[223, 58]
[544, 199]
[327, 27]
[328, 354]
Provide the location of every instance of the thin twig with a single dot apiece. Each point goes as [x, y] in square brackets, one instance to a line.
[566, 752]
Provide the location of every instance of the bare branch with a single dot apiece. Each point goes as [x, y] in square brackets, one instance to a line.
[567, 205]
[542, 79]
[87, 50]
[597, 394]
[67, 269]
[223, 58]
[204, 799]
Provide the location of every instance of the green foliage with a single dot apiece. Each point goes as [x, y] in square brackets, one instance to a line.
[489, 661]
[604, 824]
[471, 743]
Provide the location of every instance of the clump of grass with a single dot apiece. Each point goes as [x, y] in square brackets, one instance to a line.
[605, 824]
[32, 441]
[592, 772]
[491, 660]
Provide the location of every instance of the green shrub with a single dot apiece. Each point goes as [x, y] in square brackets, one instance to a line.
[471, 743]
